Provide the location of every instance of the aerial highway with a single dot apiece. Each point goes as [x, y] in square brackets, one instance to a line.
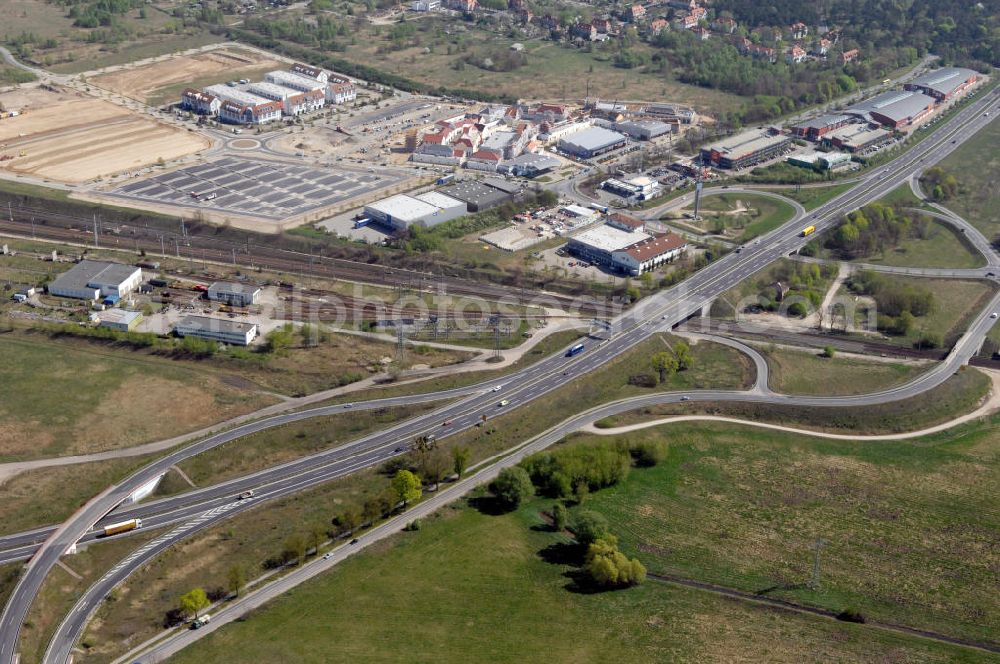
[75, 621]
[651, 315]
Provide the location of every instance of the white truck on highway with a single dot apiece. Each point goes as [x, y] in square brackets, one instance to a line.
[122, 527]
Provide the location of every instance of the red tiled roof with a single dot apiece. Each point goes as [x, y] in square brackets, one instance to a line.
[655, 246]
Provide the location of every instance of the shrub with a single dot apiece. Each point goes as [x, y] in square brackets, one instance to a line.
[512, 486]
[589, 526]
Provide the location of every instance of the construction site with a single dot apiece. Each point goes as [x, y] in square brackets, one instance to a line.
[64, 135]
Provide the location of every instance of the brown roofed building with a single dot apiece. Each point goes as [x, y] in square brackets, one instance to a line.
[649, 254]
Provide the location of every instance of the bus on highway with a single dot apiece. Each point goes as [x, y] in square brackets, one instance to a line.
[808, 230]
[575, 350]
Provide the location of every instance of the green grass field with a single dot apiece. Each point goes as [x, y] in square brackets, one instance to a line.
[976, 165]
[902, 195]
[956, 302]
[744, 216]
[943, 247]
[812, 197]
[64, 398]
[728, 505]
[801, 372]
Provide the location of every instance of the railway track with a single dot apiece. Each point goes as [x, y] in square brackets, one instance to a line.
[198, 247]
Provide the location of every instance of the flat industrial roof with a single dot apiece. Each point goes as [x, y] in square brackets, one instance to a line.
[87, 272]
[823, 121]
[475, 193]
[944, 81]
[746, 143]
[264, 88]
[293, 80]
[439, 200]
[119, 316]
[594, 138]
[401, 206]
[206, 323]
[539, 161]
[236, 95]
[895, 105]
[233, 287]
[858, 134]
[609, 239]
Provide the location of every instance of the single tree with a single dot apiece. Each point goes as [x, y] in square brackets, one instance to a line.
[683, 353]
[194, 602]
[317, 535]
[237, 579]
[512, 486]
[434, 465]
[350, 518]
[829, 351]
[406, 486]
[460, 456]
[665, 363]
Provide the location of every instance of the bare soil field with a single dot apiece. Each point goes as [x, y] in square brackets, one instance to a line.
[74, 138]
[186, 70]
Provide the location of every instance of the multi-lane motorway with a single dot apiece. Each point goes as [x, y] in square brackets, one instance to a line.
[649, 316]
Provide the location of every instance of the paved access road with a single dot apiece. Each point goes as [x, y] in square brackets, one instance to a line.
[651, 315]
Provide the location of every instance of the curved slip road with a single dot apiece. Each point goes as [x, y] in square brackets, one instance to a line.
[659, 311]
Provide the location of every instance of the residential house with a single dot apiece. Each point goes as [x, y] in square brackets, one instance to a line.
[795, 55]
[799, 30]
[658, 25]
[849, 56]
[636, 13]
[821, 46]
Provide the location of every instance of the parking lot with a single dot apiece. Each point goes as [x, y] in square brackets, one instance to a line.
[257, 187]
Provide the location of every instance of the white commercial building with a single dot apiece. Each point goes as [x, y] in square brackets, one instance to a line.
[90, 280]
[294, 81]
[597, 245]
[402, 211]
[237, 295]
[216, 329]
[120, 319]
[236, 95]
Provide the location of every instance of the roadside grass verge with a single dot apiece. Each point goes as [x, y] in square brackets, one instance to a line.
[802, 372]
[958, 395]
[60, 590]
[811, 198]
[474, 587]
[285, 443]
[46, 496]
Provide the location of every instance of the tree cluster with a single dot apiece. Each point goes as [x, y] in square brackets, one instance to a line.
[941, 184]
[875, 228]
[575, 471]
[609, 567]
[899, 304]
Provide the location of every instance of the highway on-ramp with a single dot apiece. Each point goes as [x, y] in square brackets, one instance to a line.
[653, 314]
